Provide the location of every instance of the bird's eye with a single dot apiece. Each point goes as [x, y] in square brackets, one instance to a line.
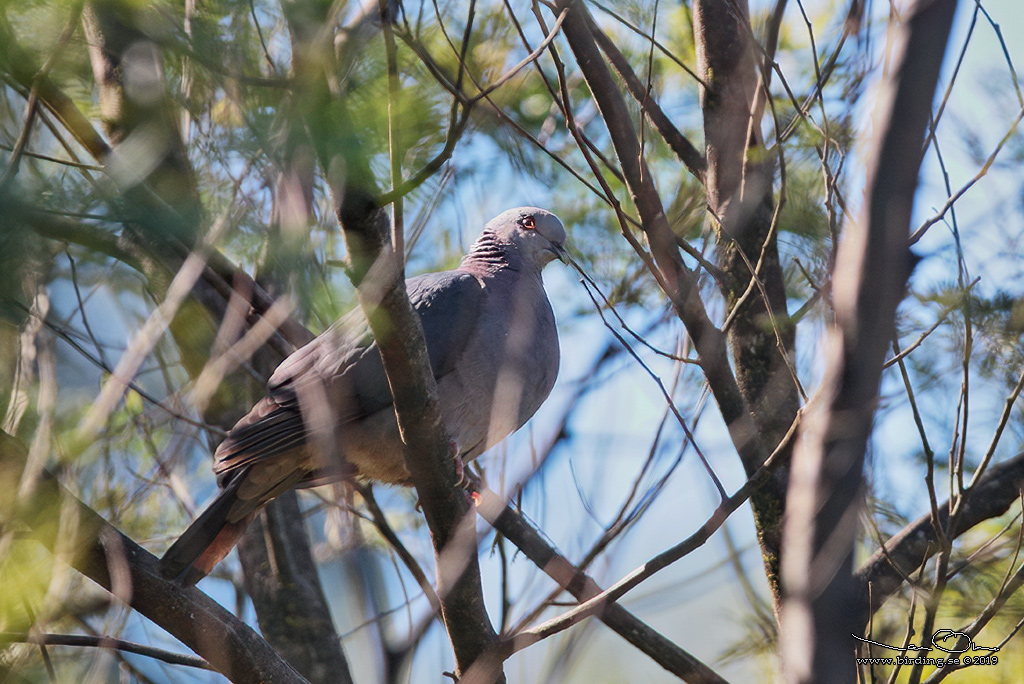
[527, 223]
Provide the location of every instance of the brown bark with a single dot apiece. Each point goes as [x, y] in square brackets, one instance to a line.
[739, 195]
[168, 217]
[820, 598]
[281, 577]
[377, 271]
[681, 146]
[399, 336]
[119, 565]
[905, 552]
[680, 281]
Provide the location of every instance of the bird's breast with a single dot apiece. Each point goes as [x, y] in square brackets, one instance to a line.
[506, 372]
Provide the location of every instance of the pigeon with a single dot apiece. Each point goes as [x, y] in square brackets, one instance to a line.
[493, 348]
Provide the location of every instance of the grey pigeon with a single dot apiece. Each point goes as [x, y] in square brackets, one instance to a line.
[493, 347]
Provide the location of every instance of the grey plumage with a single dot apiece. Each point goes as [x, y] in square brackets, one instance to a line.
[493, 348]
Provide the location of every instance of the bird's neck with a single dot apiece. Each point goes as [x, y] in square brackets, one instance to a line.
[488, 255]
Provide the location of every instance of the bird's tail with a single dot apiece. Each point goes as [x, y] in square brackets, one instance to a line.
[207, 540]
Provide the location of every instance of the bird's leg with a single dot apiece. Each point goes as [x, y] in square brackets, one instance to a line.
[460, 467]
[466, 478]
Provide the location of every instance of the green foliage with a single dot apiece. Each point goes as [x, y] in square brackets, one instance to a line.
[264, 96]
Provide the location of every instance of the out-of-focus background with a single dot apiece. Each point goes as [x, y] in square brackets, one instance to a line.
[131, 130]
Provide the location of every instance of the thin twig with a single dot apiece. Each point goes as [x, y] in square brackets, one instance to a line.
[923, 228]
[664, 559]
[89, 641]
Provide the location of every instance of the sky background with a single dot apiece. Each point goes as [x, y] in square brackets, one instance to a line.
[698, 602]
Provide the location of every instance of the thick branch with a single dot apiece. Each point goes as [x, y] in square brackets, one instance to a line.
[682, 281]
[739, 193]
[377, 271]
[683, 148]
[16, 61]
[63, 229]
[820, 598]
[119, 565]
[281, 577]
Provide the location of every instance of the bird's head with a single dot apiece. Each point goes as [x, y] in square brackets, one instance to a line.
[535, 235]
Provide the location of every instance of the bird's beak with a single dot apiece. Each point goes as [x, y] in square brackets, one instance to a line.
[560, 253]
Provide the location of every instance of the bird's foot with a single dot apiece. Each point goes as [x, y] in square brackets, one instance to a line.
[460, 466]
[471, 484]
[464, 476]
[466, 479]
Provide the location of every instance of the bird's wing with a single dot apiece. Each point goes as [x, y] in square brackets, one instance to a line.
[343, 366]
[450, 305]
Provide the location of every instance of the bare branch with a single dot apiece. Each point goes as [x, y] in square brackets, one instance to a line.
[399, 336]
[684, 149]
[527, 539]
[90, 641]
[102, 553]
[923, 228]
[680, 281]
[873, 264]
[600, 601]
[377, 270]
[885, 572]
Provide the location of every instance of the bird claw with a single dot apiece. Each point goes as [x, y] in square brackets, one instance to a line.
[462, 474]
[471, 485]
[466, 479]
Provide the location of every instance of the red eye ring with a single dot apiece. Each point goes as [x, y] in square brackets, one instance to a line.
[527, 223]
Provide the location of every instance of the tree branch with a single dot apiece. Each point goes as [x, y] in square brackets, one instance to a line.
[109, 558]
[531, 542]
[680, 280]
[601, 600]
[885, 571]
[739, 183]
[281, 577]
[399, 336]
[820, 598]
[683, 148]
[91, 641]
[377, 270]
